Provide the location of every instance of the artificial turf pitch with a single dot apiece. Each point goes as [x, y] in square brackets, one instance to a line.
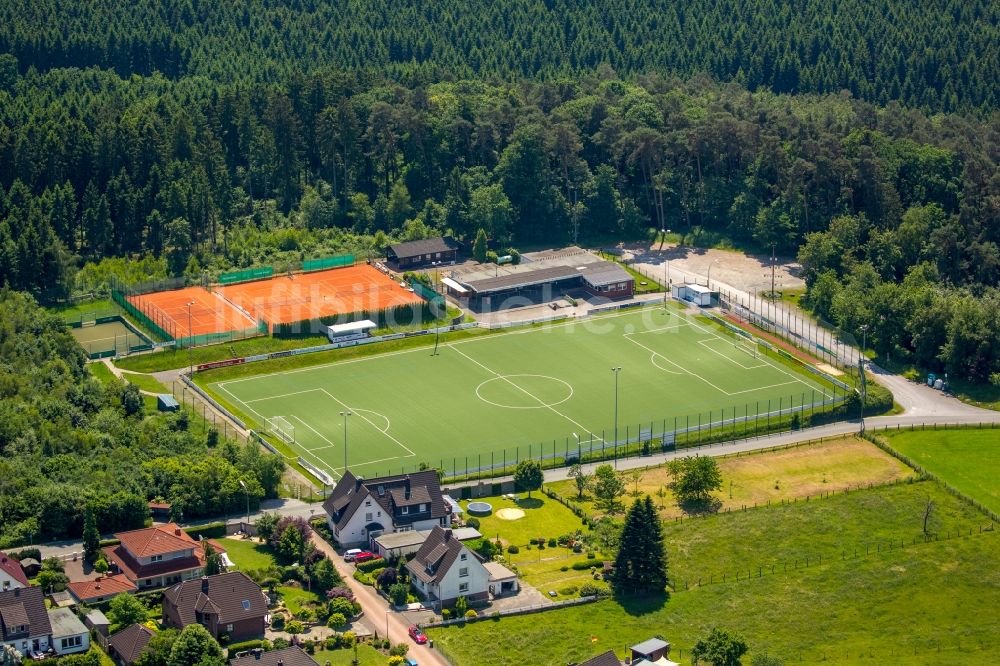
[502, 397]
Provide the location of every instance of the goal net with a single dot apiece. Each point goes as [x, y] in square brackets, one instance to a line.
[281, 428]
[747, 345]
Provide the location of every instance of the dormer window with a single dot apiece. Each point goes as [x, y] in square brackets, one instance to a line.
[156, 558]
[404, 510]
[381, 491]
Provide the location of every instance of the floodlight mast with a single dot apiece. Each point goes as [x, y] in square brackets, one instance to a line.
[616, 370]
[345, 414]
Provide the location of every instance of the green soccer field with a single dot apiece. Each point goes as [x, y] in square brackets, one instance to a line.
[482, 401]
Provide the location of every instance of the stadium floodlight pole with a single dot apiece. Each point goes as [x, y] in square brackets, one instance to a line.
[774, 260]
[579, 458]
[190, 361]
[345, 414]
[861, 372]
[246, 491]
[616, 371]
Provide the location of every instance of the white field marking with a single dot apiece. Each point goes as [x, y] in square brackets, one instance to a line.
[768, 362]
[369, 422]
[336, 470]
[655, 354]
[684, 369]
[264, 420]
[762, 388]
[525, 391]
[552, 404]
[483, 338]
[660, 329]
[321, 435]
[704, 344]
[283, 395]
[388, 423]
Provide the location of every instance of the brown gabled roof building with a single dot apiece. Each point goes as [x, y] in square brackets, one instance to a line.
[289, 656]
[157, 556]
[11, 573]
[604, 659]
[24, 621]
[101, 589]
[127, 645]
[228, 604]
[360, 509]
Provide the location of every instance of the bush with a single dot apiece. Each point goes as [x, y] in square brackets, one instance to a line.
[305, 614]
[363, 578]
[371, 565]
[569, 590]
[248, 645]
[342, 606]
[28, 553]
[336, 620]
[294, 627]
[591, 555]
[552, 543]
[512, 549]
[564, 568]
[278, 622]
[582, 566]
[445, 614]
[473, 522]
[209, 531]
[399, 650]
[591, 590]
[577, 547]
[471, 614]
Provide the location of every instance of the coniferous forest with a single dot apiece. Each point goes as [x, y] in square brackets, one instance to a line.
[190, 136]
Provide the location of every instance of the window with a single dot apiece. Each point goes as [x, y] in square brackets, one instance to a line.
[229, 627]
[246, 604]
[368, 503]
[463, 572]
[463, 557]
[381, 491]
[368, 517]
[404, 510]
[423, 507]
[156, 558]
[463, 587]
[71, 642]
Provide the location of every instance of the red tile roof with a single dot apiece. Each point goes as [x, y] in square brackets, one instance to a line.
[109, 586]
[159, 540]
[13, 568]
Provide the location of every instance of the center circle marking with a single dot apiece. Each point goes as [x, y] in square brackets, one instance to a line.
[567, 387]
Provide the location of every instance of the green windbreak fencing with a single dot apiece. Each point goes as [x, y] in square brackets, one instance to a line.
[225, 336]
[423, 291]
[338, 261]
[247, 275]
[158, 324]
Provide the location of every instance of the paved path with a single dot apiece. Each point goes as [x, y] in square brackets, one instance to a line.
[377, 611]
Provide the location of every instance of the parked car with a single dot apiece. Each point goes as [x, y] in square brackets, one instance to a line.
[409, 661]
[351, 554]
[364, 556]
[418, 636]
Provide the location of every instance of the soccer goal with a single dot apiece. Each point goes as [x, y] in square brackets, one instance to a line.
[749, 345]
[280, 427]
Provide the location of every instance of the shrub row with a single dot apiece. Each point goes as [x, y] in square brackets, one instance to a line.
[371, 565]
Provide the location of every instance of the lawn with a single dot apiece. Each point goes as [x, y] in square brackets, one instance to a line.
[247, 554]
[543, 517]
[367, 656]
[770, 476]
[295, 598]
[101, 372]
[967, 459]
[535, 387]
[73, 312]
[145, 382]
[892, 606]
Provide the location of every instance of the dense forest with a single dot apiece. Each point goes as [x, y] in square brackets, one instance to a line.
[939, 56]
[70, 444]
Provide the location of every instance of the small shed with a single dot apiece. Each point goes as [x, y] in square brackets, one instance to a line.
[160, 510]
[97, 621]
[167, 403]
[354, 330]
[503, 581]
[426, 252]
[30, 566]
[651, 650]
[695, 293]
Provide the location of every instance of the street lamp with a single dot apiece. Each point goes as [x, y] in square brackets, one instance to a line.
[387, 623]
[345, 414]
[616, 371]
[246, 491]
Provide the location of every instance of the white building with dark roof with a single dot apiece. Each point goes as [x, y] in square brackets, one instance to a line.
[444, 570]
[358, 510]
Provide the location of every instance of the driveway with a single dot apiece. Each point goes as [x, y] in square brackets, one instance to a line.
[377, 610]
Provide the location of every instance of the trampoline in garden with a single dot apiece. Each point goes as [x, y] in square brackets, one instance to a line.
[480, 508]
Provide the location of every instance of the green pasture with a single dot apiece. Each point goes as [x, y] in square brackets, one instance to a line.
[485, 400]
[925, 602]
[967, 459]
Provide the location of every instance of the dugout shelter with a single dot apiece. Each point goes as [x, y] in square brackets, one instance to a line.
[695, 293]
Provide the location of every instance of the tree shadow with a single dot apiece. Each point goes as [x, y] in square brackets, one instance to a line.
[640, 605]
[700, 507]
[531, 503]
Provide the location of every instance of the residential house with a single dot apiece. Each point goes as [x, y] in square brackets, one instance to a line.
[126, 646]
[392, 545]
[229, 605]
[11, 573]
[652, 652]
[157, 556]
[24, 622]
[503, 581]
[604, 659]
[69, 634]
[289, 656]
[426, 252]
[358, 510]
[100, 589]
[444, 570]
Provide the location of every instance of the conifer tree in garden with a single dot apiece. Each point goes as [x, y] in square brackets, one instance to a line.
[641, 565]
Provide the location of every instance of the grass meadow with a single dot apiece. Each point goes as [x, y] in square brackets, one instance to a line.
[926, 601]
[967, 459]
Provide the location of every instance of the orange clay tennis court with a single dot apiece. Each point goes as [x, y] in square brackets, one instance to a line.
[209, 312]
[308, 296]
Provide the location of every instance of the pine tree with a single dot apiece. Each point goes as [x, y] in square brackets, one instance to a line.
[479, 247]
[641, 564]
[91, 535]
